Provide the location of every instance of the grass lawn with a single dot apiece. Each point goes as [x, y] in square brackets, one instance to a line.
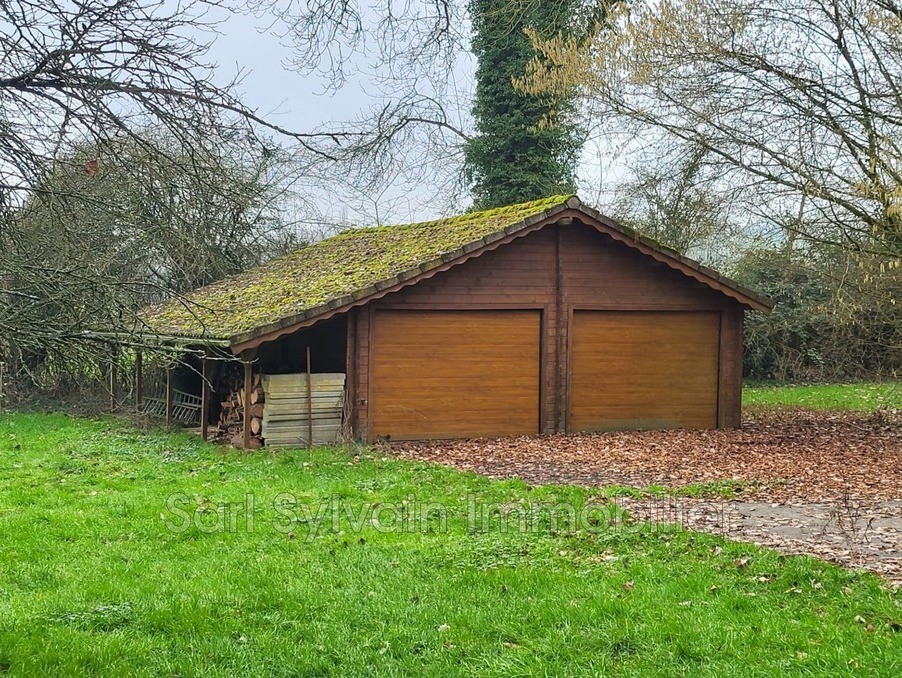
[862, 397]
[107, 568]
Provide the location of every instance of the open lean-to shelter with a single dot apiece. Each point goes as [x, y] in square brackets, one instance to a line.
[535, 318]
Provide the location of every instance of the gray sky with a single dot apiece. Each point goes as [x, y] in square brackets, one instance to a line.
[288, 98]
[300, 102]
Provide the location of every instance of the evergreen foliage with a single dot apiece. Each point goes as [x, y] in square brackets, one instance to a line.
[526, 146]
[835, 316]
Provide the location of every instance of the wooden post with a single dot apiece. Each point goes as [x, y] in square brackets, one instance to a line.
[559, 408]
[168, 394]
[349, 425]
[729, 399]
[248, 375]
[139, 382]
[204, 396]
[309, 402]
[113, 380]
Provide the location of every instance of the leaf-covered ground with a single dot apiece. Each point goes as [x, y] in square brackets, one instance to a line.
[778, 454]
[824, 483]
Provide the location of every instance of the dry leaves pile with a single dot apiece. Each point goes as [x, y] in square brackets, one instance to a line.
[784, 455]
[825, 484]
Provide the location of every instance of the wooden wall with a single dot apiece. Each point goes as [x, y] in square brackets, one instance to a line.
[556, 269]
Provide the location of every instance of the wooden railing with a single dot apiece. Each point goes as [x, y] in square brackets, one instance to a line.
[185, 407]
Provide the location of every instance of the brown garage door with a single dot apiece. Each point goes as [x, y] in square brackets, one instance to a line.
[633, 370]
[455, 374]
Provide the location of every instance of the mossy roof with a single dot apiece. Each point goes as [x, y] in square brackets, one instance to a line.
[335, 270]
[359, 263]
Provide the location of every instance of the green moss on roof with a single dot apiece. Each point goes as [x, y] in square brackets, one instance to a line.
[349, 263]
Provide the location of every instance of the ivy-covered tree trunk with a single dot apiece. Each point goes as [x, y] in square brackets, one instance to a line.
[526, 147]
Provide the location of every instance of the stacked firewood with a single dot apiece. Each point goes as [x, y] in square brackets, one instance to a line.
[231, 415]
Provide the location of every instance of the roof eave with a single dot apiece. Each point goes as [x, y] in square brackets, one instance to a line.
[147, 338]
[677, 261]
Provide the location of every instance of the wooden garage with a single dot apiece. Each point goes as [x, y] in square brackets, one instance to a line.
[536, 318]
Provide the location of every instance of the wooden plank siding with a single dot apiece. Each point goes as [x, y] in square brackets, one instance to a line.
[518, 276]
[556, 271]
[297, 413]
[730, 378]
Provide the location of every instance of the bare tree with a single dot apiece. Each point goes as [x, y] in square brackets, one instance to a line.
[109, 230]
[414, 58]
[797, 101]
[87, 71]
[415, 55]
[95, 211]
[668, 199]
[796, 107]
[394, 38]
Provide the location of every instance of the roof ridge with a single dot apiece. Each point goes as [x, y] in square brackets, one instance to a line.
[550, 201]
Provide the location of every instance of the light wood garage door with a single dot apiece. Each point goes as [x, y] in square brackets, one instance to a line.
[455, 374]
[643, 370]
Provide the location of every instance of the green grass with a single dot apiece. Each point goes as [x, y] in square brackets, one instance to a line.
[862, 397]
[713, 489]
[92, 581]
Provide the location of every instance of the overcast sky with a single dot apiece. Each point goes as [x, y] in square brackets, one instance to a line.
[288, 98]
[300, 102]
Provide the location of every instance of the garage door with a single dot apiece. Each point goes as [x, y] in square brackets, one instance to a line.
[633, 370]
[455, 374]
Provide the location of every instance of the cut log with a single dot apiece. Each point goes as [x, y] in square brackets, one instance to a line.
[235, 399]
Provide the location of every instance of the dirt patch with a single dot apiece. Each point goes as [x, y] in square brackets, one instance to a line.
[825, 484]
[855, 534]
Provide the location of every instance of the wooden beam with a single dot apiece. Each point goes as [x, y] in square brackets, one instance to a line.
[560, 357]
[309, 401]
[204, 397]
[113, 357]
[366, 394]
[351, 374]
[246, 423]
[169, 370]
[139, 381]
